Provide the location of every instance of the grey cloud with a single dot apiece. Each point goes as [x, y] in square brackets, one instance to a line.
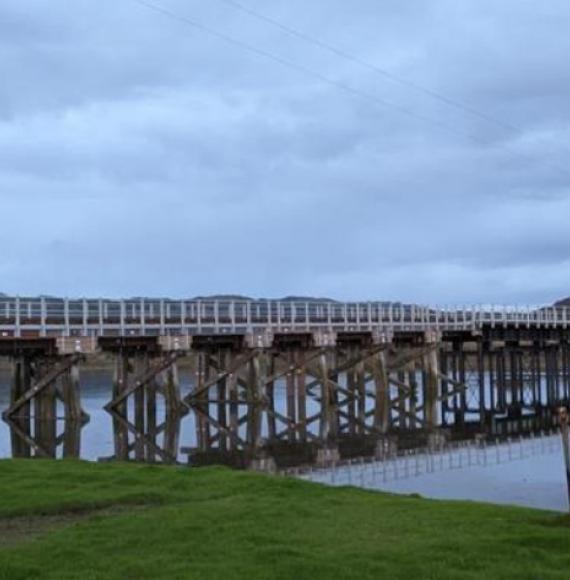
[142, 156]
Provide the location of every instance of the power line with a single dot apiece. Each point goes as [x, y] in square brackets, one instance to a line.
[326, 79]
[374, 68]
[305, 70]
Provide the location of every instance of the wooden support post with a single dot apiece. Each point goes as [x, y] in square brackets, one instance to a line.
[549, 376]
[222, 395]
[290, 387]
[120, 383]
[460, 415]
[327, 430]
[481, 374]
[334, 375]
[514, 378]
[151, 418]
[21, 383]
[556, 373]
[565, 372]
[501, 381]
[202, 426]
[413, 398]
[351, 383]
[402, 413]
[301, 397]
[256, 388]
[234, 407]
[443, 362]
[492, 381]
[432, 388]
[382, 410]
[171, 439]
[45, 410]
[72, 438]
[141, 363]
[361, 400]
[71, 394]
[172, 397]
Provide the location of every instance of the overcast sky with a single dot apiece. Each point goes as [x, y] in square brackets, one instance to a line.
[141, 155]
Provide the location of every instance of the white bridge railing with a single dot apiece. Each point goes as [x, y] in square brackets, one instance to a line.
[96, 317]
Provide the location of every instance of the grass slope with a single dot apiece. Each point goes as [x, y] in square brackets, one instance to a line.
[135, 521]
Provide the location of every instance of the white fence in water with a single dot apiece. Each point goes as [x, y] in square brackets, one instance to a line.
[369, 473]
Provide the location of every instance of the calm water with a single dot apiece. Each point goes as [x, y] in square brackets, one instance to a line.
[536, 481]
[525, 472]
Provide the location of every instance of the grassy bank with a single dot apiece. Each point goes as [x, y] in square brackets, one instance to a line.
[78, 520]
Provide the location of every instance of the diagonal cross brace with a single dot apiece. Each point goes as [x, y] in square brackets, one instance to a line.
[143, 438]
[144, 379]
[49, 378]
[233, 368]
[407, 357]
[39, 449]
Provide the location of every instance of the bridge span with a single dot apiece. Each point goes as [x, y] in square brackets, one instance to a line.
[383, 373]
[64, 317]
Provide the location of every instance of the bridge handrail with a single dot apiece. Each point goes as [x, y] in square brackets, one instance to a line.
[87, 314]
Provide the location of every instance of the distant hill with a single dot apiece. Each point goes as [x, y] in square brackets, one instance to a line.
[305, 299]
[223, 297]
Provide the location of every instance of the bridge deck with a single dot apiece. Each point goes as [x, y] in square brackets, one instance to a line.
[98, 317]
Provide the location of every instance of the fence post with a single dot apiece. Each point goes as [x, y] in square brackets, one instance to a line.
[564, 432]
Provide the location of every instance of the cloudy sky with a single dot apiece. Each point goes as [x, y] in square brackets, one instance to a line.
[142, 154]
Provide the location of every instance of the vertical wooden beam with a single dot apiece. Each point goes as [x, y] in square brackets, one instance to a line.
[361, 401]
[290, 388]
[21, 382]
[402, 418]
[501, 381]
[431, 365]
[481, 374]
[327, 427]
[72, 439]
[492, 358]
[120, 383]
[225, 361]
[256, 390]
[71, 394]
[151, 417]
[172, 397]
[382, 410]
[141, 364]
[202, 426]
[461, 357]
[45, 411]
[234, 407]
[351, 383]
[443, 363]
[301, 397]
[413, 398]
[171, 439]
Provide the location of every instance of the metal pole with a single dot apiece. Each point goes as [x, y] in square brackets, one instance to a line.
[564, 431]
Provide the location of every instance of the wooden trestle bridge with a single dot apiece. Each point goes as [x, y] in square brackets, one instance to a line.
[383, 375]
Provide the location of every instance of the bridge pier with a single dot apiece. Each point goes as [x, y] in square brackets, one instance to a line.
[42, 381]
[139, 365]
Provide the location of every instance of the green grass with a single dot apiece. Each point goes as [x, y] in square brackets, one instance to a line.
[216, 523]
